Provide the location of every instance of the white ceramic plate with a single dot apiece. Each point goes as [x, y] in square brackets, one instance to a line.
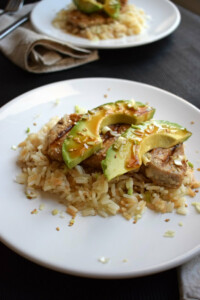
[76, 249]
[164, 19]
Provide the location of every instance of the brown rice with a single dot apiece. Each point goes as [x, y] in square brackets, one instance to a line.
[92, 194]
[131, 21]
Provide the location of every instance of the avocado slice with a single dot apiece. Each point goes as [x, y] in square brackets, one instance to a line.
[84, 138]
[126, 153]
[112, 8]
[88, 6]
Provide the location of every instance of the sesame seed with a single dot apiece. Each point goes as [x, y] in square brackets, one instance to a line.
[14, 147]
[86, 146]
[80, 133]
[71, 222]
[41, 207]
[103, 260]
[54, 212]
[169, 233]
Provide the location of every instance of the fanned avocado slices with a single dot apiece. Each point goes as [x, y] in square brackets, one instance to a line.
[88, 6]
[126, 153]
[112, 8]
[84, 138]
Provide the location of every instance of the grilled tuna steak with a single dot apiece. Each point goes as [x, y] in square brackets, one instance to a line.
[166, 167]
[58, 134]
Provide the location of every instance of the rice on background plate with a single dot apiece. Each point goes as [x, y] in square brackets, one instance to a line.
[131, 21]
[90, 193]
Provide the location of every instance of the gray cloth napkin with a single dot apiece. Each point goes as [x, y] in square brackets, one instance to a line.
[189, 280]
[38, 53]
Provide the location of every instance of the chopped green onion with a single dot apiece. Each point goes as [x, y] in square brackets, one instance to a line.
[79, 110]
[130, 191]
[147, 196]
[190, 165]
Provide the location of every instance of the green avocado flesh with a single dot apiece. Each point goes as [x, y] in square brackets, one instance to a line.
[126, 153]
[88, 6]
[84, 138]
[112, 8]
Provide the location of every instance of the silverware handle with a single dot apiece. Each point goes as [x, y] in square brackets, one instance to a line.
[13, 26]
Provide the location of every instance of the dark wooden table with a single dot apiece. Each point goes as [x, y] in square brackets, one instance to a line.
[172, 64]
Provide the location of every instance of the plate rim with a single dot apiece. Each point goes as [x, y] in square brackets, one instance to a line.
[17, 98]
[171, 29]
[169, 264]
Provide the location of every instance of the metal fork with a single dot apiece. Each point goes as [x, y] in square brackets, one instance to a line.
[12, 6]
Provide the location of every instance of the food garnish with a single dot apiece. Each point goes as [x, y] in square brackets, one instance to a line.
[81, 144]
[112, 159]
[101, 19]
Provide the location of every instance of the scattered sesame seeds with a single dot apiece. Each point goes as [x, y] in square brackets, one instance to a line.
[103, 260]
[31, 194]
[169, 233]
[55, 212]
[34, 124]
[105, 96]
[71, 222]
[192, 122]
[180, 224]
[80, 133]
[197, 206]
[167, 220]
[41, 207]
[198, 169]
[86, 146]
[71, 150]
[125, 260]
[76, 139]
[58, 228]
[13, 147]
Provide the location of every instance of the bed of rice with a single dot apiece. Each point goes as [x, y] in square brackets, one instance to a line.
[92, 194]
[131, 21]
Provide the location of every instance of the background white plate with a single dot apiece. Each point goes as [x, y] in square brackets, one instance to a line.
[76, 249]
[165, 18]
